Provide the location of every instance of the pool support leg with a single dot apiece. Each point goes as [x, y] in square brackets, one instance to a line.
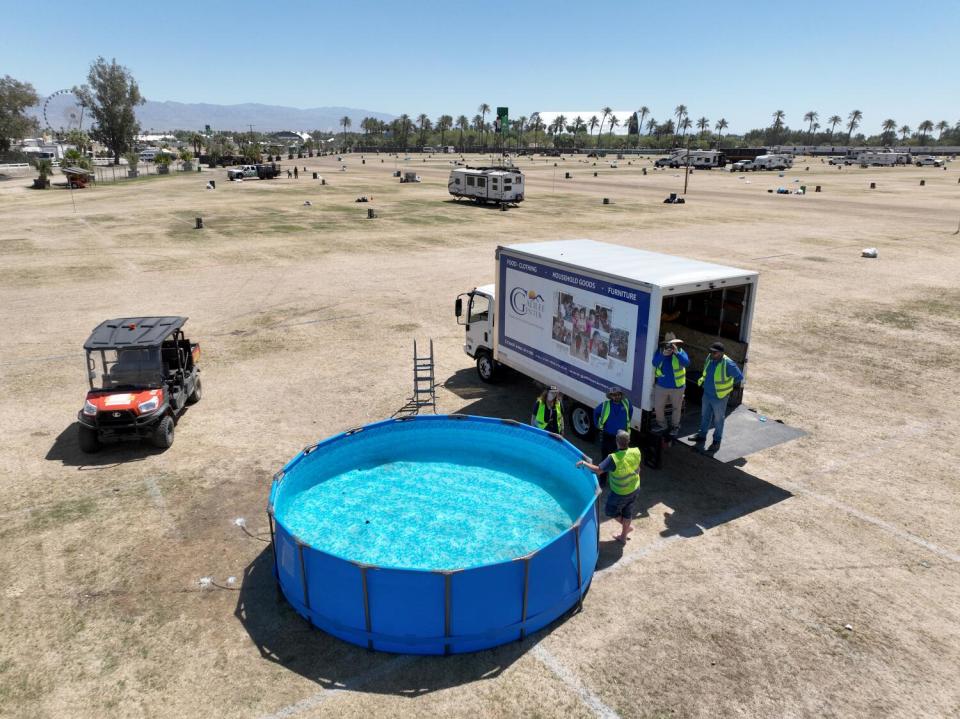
[576, 539]
[447, 606]
[526, 591]
[273, 546]
[366, 605]
[303, 576]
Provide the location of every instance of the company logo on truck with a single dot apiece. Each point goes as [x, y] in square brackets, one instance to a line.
[525, 302]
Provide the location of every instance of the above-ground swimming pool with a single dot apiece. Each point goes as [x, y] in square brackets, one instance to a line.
[435, 534]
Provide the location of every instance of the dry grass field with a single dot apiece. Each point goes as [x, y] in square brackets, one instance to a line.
[732, 597]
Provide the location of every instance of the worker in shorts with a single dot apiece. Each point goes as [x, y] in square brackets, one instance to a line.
[610, 417]
[623, 472]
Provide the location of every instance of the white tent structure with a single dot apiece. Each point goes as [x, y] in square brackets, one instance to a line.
[620, 129]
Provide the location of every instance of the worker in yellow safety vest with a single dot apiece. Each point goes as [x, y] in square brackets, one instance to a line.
[609, 417]
[720, 374]
[548, 411]
[670, 364]
[623, 472]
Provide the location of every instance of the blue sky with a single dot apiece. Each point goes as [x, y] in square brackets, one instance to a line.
[740, 60]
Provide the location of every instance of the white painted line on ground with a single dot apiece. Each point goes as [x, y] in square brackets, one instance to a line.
[351, 684]
[573, 681]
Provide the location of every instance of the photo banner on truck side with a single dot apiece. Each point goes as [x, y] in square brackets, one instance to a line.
[585, 328]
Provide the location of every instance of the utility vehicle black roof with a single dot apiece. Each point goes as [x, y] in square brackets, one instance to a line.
[132, 332]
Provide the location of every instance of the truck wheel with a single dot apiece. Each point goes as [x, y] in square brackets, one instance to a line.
[89, 441]
[197, 393]
[486, 367]
[581, 422]
[163, 433]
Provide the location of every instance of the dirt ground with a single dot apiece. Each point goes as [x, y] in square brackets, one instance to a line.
[732, 597]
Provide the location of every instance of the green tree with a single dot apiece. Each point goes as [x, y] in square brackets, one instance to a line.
[111, 94]
[345, 122]
[196, 139]
[520, 125]
[889, 127]
[680, 112]
[404, 129]
[942, 127]
[643, 112]
[15, 97]
[685, 125]
[444, 123]
[483, 110]
[652, 125]
[79, 139]
[703, 124]
[853, 122]
[44, 169]
[614, 121]
[592, 124]
[605, 112]
[810, 117]
[923, 128]
[721, 125]
[463, 124]
[904, 132]
[424, 122]
[536, 124]
[834, 120]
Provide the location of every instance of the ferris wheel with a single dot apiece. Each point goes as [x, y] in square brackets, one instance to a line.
[63, 111]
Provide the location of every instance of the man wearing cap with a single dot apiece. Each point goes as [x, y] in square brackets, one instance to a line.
[623, 468]
[720, 373]
[548, 411]
[611, 416]
[670, 364]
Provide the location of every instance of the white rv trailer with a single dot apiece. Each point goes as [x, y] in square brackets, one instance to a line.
[702, 159]
[882, 158]
[487, 184]
[772, 162]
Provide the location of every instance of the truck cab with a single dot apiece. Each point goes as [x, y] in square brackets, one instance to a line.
[474, 310]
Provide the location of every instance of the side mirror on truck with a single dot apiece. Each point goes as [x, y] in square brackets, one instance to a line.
[458, 307]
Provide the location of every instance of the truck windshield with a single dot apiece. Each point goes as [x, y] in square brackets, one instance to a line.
[125, 368]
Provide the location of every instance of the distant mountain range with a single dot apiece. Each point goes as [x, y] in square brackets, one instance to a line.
[264, 118]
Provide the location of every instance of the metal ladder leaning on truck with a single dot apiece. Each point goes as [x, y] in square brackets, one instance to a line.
[584, 315]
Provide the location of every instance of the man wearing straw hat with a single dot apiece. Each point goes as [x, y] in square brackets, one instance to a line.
[611, 416]
[670, 364]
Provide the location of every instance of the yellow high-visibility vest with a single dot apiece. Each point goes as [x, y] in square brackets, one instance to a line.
[542, 415]
[605, 412]
[679, 373]
[722, 382]
[625, 477]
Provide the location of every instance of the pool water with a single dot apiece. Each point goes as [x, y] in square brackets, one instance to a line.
[431, 515]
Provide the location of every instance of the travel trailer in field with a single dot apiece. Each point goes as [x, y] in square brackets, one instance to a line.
[487, 184]
[701, 159]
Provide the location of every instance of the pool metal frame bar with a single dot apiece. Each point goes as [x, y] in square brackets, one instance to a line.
[446, 573]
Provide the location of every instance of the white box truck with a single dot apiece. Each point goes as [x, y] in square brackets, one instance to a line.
[586, 315]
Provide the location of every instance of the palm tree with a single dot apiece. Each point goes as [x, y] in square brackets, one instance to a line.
[614, 121]
[702, 124]
[778, 116]
[889, 128]
[680, 111]
[592, 124]
[560, 124]
[463, 124]
[685, 125]
[651, 125]
[196, 139]
[404, 129]
[942, 127]
[853, 122]
[483, 110]
[923, 128]
[606, 111]
[904, 131]
[346, 122]
[520, 126]
[810, 117]
[424, 126]
[834, 120]
[643, 112]
[536, 124]
[721, 125]
[444, 123]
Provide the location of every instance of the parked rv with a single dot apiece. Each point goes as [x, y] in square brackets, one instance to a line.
[487, 184]
[701, 159]
[585, 315]
[772, 162]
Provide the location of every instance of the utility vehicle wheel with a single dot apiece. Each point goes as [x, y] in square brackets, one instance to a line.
[581, 421]
[163, 433]
[486, 367]
[89, 441]
[197, 393]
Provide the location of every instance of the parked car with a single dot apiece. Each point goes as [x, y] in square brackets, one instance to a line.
[742, 166]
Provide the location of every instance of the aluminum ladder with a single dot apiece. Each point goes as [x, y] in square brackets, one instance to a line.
[424, 385]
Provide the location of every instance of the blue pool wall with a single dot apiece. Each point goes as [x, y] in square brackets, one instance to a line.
[416, 611]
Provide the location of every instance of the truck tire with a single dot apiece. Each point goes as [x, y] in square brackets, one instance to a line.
[486, 367]
[581, 421]
[163, 433]
[89, 440]
[197, 393]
